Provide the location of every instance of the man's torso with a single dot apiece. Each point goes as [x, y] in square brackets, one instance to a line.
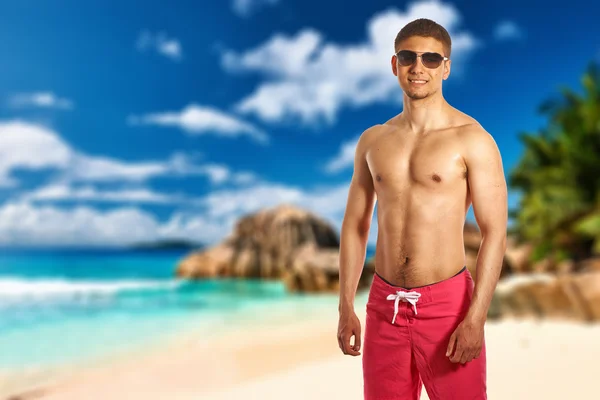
[422, 200]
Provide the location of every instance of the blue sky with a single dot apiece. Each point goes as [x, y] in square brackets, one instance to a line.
[131, 122]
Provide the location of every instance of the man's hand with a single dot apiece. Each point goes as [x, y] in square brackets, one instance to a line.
[467, 339]
[349, 325]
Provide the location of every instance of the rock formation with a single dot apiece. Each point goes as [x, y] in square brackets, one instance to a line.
[285, 243]
[302, 250]
[574, 296]
[546, 289]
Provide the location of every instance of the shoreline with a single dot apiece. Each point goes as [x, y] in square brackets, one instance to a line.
[290, 343]
[300, 359]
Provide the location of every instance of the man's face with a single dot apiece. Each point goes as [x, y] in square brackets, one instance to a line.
[417, 71]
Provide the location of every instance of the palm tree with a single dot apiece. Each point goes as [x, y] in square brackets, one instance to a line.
[559, 177]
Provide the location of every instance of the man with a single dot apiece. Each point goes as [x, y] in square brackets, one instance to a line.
[425, 314]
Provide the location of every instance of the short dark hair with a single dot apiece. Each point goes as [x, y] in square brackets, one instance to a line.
[426, 28]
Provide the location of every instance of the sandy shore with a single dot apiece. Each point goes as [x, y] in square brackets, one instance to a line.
[527, 359]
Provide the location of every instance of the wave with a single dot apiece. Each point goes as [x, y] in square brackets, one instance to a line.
[48, 289]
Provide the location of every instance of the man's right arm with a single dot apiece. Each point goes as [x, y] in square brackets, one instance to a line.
[356, 224]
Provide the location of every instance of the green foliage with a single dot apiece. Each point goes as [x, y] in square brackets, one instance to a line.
[559, 177]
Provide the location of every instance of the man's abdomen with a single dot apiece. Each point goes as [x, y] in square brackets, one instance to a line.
[417, 251]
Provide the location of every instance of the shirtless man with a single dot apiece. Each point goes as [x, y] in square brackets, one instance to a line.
[425, 313]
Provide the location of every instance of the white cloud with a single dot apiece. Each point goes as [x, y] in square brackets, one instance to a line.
[25, 224]
[196, 119]
[28, 146]
[196, 227]
[245, 8]
[267, 58]
[507, 30]
[210, 221]
[219, 173]
[64, 191]
[311, 80]
[40, 99]
[227, 206]
[34, 147]
[327, 202]
[28, 219]
[236, 202]
[93, 168]
[170, 48]
[345, 157]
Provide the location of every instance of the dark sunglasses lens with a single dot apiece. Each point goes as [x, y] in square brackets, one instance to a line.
[432, 60]
[406, 57]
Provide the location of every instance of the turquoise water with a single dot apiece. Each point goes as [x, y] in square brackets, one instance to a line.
[63, 306]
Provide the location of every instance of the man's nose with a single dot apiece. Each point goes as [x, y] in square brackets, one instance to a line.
[417, 66]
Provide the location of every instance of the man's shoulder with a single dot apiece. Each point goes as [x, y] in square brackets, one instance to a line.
[371, 133]
[372, 130]
[476, 140]
[471, 131]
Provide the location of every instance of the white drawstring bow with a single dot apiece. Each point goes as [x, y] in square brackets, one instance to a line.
[411, 297]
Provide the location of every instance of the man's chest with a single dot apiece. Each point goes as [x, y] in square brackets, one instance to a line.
[431, 163]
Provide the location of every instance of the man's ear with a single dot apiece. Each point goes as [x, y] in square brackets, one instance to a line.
[447, 68]
[394, 66]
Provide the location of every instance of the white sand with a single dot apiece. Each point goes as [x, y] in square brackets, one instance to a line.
[526, 360]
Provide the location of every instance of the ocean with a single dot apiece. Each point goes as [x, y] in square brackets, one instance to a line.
[72, 306]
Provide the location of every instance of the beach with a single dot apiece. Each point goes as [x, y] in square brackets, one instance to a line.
[300, 359]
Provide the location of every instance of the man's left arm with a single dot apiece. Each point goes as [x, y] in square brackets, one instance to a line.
[490, 205]
[487, 185]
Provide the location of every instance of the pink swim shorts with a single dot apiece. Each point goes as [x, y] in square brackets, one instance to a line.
[406, 335]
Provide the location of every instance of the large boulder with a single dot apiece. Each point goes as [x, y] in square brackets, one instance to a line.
[317, 270]
[293, 245]
[285, 243]
[574, 296]
[542, 288]
[213, 262]
[517, 255]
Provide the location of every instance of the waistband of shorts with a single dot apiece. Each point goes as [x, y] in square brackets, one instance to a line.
[453, 283]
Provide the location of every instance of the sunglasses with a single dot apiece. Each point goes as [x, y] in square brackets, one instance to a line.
[429, 60]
